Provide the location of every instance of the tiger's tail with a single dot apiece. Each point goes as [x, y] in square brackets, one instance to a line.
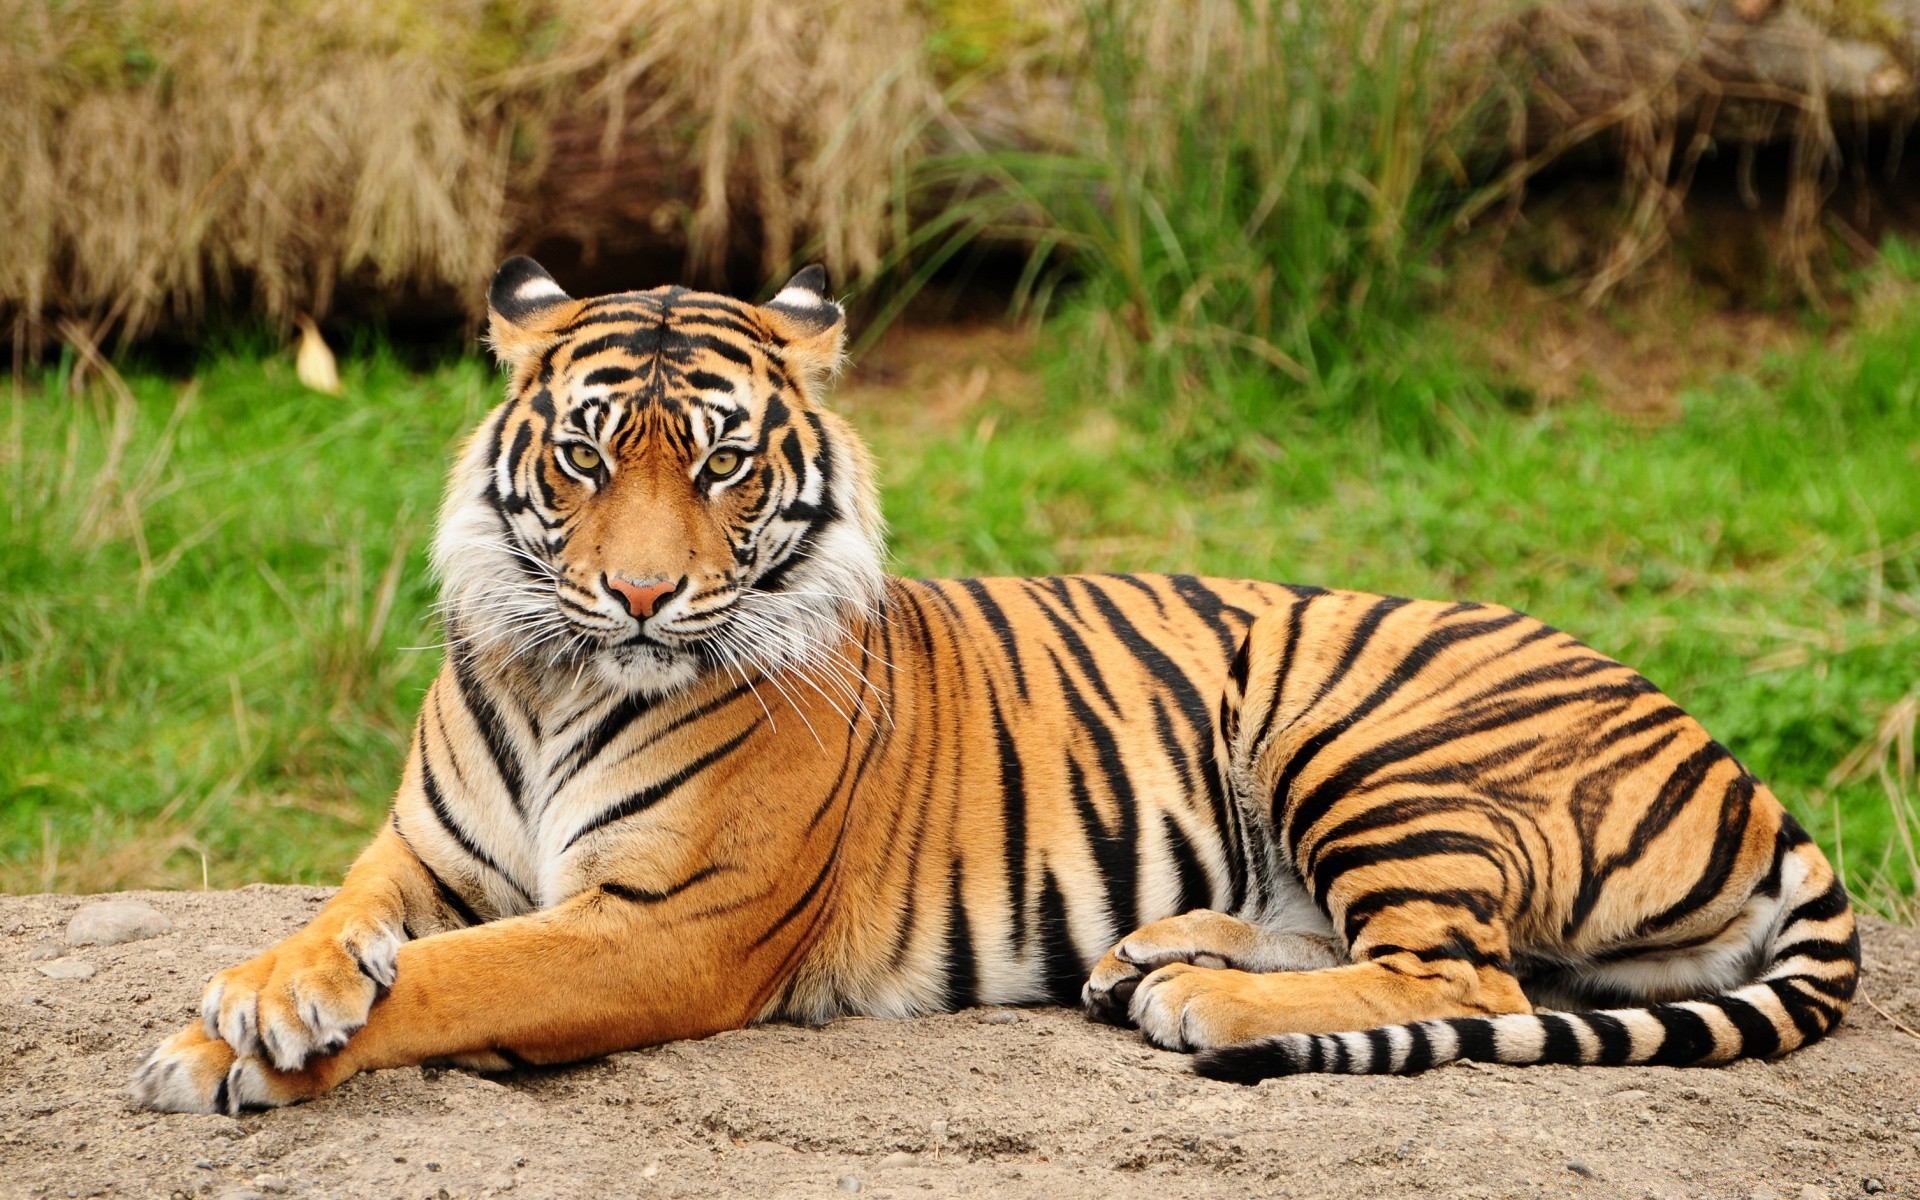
[1799, 993]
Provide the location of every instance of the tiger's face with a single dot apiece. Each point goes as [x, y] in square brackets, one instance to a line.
[663, 493]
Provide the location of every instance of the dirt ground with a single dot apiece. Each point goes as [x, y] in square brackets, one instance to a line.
[988, 1102]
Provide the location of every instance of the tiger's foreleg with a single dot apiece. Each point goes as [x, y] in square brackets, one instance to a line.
[1429, 957]
[306, 995]
[596, 974]
[1201, 938]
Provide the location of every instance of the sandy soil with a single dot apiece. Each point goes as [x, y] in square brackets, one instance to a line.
[989, 1102]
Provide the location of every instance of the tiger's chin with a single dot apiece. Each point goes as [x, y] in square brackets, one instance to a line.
[647, 669]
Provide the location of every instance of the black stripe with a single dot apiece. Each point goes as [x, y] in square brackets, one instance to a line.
[1116, 853]
[1064, 972]
[1315, 805]
[452, 899]
[1076, 646]
[1736, 811]
[506, 763]
[1559, 1043]
[1194, 712]
[1616, 1044]
[1687, 1038]
[1824, 907]
[448, 896]
[645, 896]
[438, 805]
[1475, 1037]
[607, 728]
[1196, 890]
[1758, 1037]
[1810, 1017]
[1380, 1061]
[654, 793]
[996, 619]
[1296, 620]
[1675, 792]
[1228, 622]
[1479, 903]
[963, 982]
[1013, 809]
[1331, 865]
[1419, 1052]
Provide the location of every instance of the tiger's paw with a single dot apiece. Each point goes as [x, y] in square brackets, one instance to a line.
[1110, 989]
[1202, 938]
[193, 1073]
[187, 1073]
[1185, 1008]
[303, 998]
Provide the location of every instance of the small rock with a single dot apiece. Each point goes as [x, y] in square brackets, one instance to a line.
[432, 1166]
[1629, 1096]
[203, 1164]
[849, 1184]
[993, 1016]
[111, 922]
[270, 1183]
[899, 1158]
[1581, 1169]
[1872, 1186]
[45, 949]
[66, 968]
[1814, 1191]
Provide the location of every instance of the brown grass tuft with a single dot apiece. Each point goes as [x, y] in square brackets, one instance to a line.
[163, 157]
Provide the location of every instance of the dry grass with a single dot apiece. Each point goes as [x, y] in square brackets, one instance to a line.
[164, 157]
[1657, 86]
[1888, 758]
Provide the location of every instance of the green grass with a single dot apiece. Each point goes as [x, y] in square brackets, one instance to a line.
[206, 651]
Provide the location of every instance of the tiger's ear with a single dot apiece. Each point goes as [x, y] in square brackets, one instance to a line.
[812, 326]
[525, 309]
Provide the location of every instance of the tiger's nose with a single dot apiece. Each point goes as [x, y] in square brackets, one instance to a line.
[642, 598]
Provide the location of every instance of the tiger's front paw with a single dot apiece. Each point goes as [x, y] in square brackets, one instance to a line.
[193, 1073]
[303, 998]
[1109, 991]
[1200, 938]
[1181, 1007]
[187, 1073]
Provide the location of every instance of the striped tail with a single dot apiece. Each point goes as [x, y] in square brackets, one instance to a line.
[1800, 993]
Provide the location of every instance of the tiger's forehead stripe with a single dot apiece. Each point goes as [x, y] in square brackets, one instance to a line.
[666, 365]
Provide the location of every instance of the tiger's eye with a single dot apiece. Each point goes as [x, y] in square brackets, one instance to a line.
[722, 463]
[586, 458]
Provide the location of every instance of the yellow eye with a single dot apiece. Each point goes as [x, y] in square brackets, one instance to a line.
[585, 458]
[722, 463]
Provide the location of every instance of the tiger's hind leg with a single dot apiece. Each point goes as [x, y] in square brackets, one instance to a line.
[1433, 954]
[1203, 939]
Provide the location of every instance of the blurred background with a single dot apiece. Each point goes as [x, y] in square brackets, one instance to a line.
[1605, 309]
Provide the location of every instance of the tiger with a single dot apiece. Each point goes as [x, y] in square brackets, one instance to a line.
[694, 760]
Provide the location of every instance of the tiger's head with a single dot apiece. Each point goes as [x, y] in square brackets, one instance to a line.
[663, 492]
